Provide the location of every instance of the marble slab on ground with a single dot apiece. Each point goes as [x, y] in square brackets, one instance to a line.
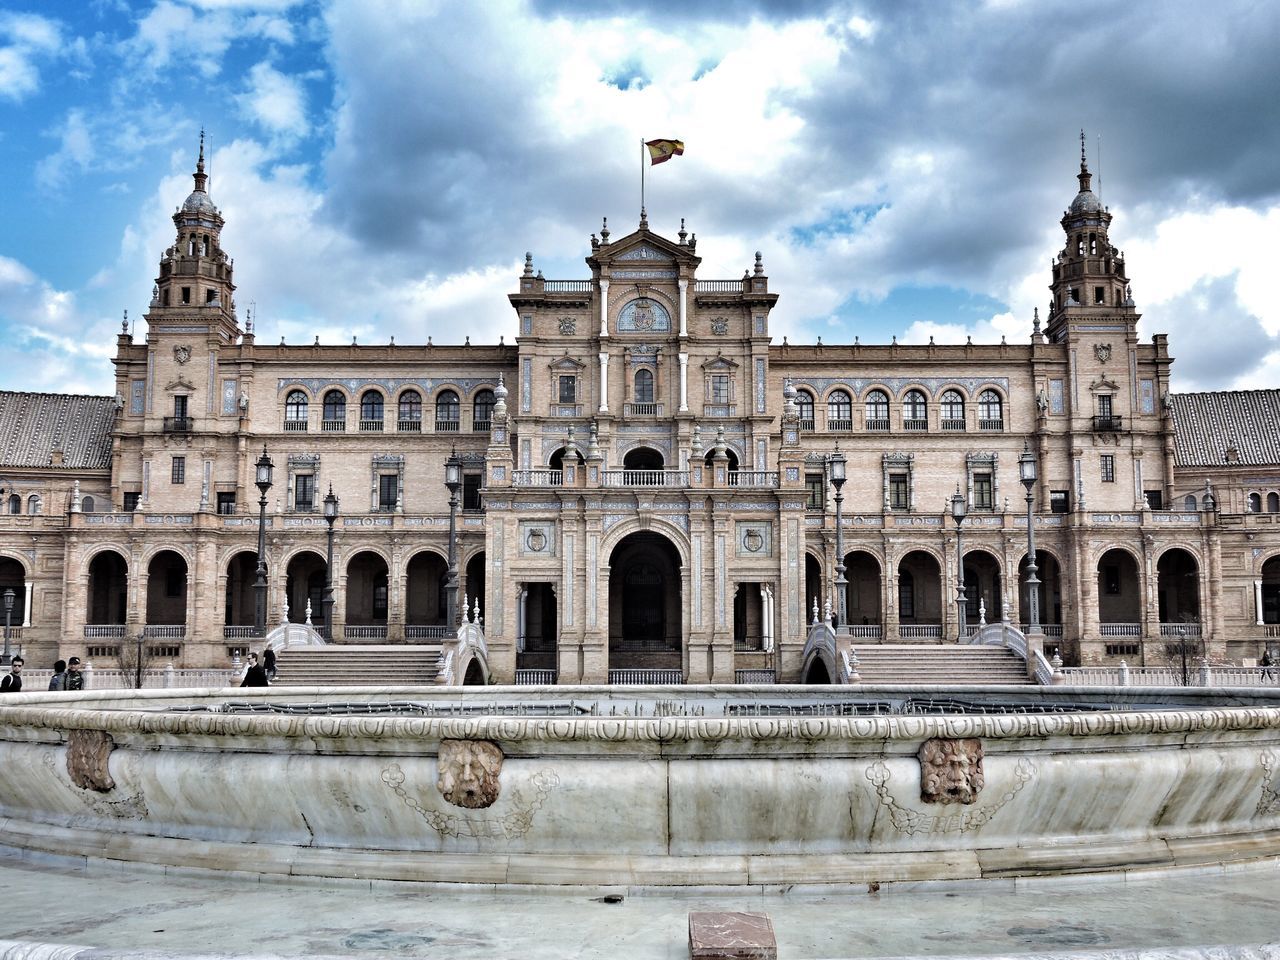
[731, 935]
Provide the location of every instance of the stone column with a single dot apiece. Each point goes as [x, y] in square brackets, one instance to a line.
[604, 382]
[684, 297]
[1257, 600]
[684, 382]
[26, 604]
[522, 601]
[604, 309]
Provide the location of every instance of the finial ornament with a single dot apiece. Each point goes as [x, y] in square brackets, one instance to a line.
[604, 230]
[528, 265]
[124, 324]
[1035, 323]
[644, 219]
[1084, 165]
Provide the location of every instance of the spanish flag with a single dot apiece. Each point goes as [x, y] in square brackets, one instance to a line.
[660, 151]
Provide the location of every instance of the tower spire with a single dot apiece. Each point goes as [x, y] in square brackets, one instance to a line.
[200, 177]
[1084, 176]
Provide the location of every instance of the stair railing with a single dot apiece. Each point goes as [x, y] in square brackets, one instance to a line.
[1007, 635]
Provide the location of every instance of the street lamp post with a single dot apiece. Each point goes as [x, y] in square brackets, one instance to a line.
[958, 510]
[8, 616]
[1027, 472]
[837, 462]
[330, 515]
[262, 477]
[452, 480]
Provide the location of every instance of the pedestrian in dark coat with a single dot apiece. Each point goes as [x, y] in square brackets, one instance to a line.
[12, 682]
[59, 679]
[255, 676]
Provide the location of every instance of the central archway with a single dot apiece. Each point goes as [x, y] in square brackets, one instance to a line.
[645, 628]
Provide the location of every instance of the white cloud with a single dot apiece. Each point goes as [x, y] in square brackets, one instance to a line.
[276, 102]
[29, 39]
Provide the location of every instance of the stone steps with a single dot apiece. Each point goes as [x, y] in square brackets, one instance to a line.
[939, 664]
[350, 665]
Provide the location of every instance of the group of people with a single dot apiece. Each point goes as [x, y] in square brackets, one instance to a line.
[67, 675]
[260, 674]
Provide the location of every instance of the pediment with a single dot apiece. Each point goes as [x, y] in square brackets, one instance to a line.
[645, 252]
[719, 363]
[182, 383]
[1104, 384]
[567, 363]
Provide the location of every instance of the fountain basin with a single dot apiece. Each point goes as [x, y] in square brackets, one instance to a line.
[600, 786]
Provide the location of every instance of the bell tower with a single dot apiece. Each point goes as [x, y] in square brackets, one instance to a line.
[1088, 275]
[195, 282]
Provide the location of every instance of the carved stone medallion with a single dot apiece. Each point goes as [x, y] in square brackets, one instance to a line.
[568, 326]
[1102, 351]
[720, 326]
[182, 353]
[469, 771]
[950, 770]
[87, 754]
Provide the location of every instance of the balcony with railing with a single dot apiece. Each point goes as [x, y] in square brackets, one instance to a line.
[1053, 630]
[878, 423]
[333, 426]
[995, 426]
[238, 631]
[951, 426]
[806, 424]
[541, 477]
[754, 676]
[1179, 631]
[481, 426]
[535, 678]
[178, 424]
[364, 631]
[645, 478]
[370, 426]
[448, 426]
[914, 424]
[643, 410]
[104, 631]
[1120, 629]
[298, 425]
[753, 478]
[839, 424]
[409, 426]
[425, 631]
[920, 631]
[748, 645]
[165, 631]
[567, 286]
[865, 631]
[718, 286]
[645, 676]
[1109, 424]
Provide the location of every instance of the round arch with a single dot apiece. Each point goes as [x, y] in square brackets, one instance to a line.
[168, 573]
[983, 585]
[646, 608]
[240, 571]
[107, 593]
[19, 560]
[863, 576]
[1120, 588]
[367, 587]
[1178, 584]
[819, 668]
[305, 569]
[920, 578]
[654, 524]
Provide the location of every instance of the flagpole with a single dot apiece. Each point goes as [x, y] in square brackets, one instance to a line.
[642, 178]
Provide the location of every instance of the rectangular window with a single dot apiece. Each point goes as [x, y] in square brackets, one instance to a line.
[186, 294]
[898, 496]
[471, 491]
[304, 491]
[178, 471]
[226, 503]
[983, 492]
[1155, 499]
[568, 389]
[210, 296]
[131, 501]
[720, 388]
[1104, 406]
[906, 598]
[815, 485]
[1099, 295]
[180, 407]
[1059, 501]
[388, 491]
[1108, 468]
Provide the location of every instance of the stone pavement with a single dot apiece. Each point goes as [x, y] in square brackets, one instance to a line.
[174, 915]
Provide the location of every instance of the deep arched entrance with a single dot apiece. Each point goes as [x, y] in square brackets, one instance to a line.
[982, 588]
[474, 587]
[108, 594]
[425, 600]
[240, 600]
[1119, 595]
[304, 588]
[367, 597]
[167, 589]
[1179, 587]
[862, 593]
[1050, 592]
[13, 577]
[919, 597]
[645, 628]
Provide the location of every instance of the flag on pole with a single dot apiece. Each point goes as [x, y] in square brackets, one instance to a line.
[660, 151]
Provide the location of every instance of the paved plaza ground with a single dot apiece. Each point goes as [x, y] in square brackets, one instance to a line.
[140, 910]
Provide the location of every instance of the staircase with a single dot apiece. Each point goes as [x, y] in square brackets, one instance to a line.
[945, 664]
[351, 665]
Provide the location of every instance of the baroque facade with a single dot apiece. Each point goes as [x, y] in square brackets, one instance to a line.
[646, 478]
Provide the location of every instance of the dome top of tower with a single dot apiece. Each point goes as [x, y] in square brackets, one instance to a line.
[199, 203]
[1086, 200]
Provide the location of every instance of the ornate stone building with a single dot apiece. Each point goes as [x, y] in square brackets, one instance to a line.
[645, 478]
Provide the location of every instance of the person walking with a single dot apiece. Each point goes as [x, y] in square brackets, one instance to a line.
[12, 682]
[74, 679]
[59, 679]
[1267, 665]
[254, 675]
[269, 662]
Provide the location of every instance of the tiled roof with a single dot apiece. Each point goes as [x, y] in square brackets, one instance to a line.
[1206, 424]
[34, 425]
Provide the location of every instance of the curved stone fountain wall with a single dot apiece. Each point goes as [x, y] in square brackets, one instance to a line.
[605, 798]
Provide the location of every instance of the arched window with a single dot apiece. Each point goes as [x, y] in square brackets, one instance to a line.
[804, 404]
[1255, 503]
[335, 410]
[33, 504]
[644, 387]
[87, 504]
[448, 412]
[295, 410]
[914, 410]
[1190, 502]
[482, 410]
[1273, 503]
[410, 408]
[839, 410]
[952, 408]
[990, 411]
[877, 410]
[371, 410]
[15, 504]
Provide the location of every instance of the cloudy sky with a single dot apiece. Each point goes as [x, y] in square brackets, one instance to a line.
[383, 167]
